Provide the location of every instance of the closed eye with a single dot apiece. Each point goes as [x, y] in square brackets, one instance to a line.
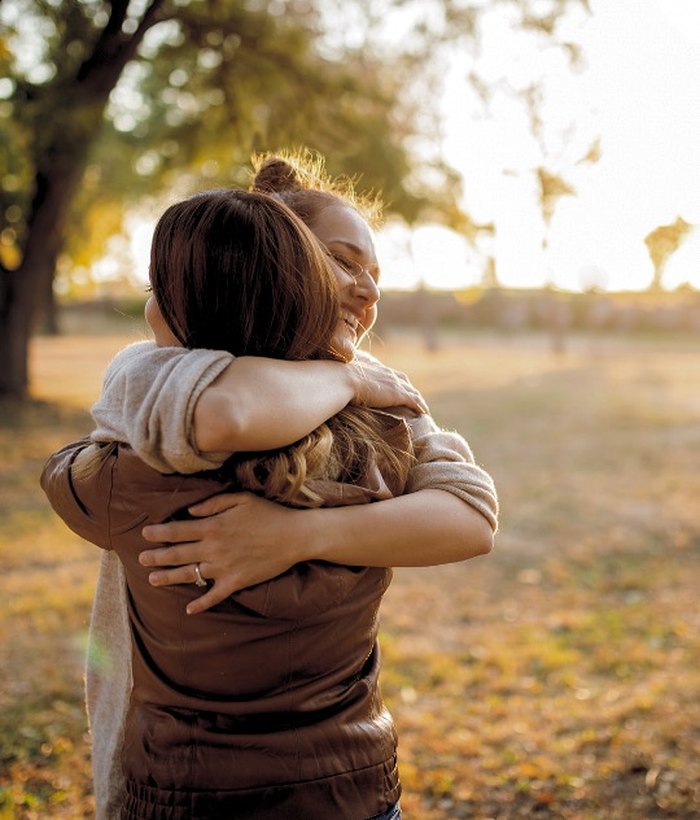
[350, 266]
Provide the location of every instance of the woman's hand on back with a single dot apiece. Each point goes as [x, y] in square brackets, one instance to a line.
[376, 385]
[238, 540]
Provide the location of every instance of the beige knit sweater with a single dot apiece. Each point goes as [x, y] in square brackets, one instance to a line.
[148, 400]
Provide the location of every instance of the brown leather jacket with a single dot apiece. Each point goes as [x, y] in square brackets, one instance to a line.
[266, 706]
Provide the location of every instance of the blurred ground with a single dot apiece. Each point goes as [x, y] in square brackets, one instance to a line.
[557, 677]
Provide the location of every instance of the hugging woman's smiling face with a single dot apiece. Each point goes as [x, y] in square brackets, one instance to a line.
[348, 240]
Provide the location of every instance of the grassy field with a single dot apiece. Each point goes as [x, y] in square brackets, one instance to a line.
[557, 677]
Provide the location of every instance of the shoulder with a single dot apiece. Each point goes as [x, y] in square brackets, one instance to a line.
[143, 353]
[145, 364]
[365, 356]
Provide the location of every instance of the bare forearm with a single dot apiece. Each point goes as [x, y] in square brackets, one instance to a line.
[261, 404]
[242, 539]
[420, 529]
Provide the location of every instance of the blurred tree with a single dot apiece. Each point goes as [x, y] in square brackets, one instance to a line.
[662, 243]
[107, 102]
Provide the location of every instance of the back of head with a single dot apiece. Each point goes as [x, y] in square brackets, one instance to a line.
[238, 271]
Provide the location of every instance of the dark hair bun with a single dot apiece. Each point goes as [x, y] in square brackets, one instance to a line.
[275, 175]
[299, 178]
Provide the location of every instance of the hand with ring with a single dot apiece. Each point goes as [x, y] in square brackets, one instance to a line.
[239, 538]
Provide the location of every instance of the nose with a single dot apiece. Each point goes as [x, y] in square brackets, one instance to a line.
[366, 288]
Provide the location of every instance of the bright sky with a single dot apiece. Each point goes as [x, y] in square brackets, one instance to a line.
[639, 93]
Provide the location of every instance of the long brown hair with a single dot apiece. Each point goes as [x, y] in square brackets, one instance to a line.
[239, 271]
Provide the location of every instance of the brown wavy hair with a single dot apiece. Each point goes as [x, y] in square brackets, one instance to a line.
[239, 271]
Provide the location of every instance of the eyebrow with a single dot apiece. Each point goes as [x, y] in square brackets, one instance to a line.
[356, 249]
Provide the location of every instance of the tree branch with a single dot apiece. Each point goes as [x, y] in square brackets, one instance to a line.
[114, 48]
[105, 43]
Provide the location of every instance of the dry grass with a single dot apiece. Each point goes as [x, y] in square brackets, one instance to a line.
[556, 677]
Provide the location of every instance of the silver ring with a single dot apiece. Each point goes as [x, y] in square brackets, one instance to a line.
[199, 579]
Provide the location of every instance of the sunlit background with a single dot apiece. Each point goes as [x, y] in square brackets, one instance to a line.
[559, 676]
[572, 149]
[636, 94]
[622, 130]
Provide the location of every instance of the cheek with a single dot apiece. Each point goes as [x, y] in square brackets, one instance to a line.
[149, 311]
[343, 280]
[343, 345]
[161, 330]
[370, 317]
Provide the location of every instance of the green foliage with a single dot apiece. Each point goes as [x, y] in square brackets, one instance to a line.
[210, 82]
[119, 102]
[199, 85]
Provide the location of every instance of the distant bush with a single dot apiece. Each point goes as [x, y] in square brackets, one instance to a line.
[510, 311]
[101, 315]
[544, 309]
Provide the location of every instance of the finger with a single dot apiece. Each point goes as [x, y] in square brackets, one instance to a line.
[415, 401]
[216, 504]
[174, 532]
[169, 577]
[422, 404]
[215, 595]
[169, 556]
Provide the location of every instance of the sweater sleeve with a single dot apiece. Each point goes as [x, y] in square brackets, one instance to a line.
[148, 400]
[444, 461]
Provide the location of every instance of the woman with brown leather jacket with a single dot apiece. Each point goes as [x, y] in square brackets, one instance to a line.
[268, 706]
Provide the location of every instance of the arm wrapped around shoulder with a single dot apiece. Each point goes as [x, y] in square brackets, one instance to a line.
[444, 461]
[148, 399]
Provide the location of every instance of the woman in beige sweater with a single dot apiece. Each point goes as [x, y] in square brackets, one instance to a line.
[186, 410]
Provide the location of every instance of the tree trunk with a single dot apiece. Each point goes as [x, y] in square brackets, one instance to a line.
[21, 297]
[49, 315]
[15, 314]
[59, 171]
[24, 289]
